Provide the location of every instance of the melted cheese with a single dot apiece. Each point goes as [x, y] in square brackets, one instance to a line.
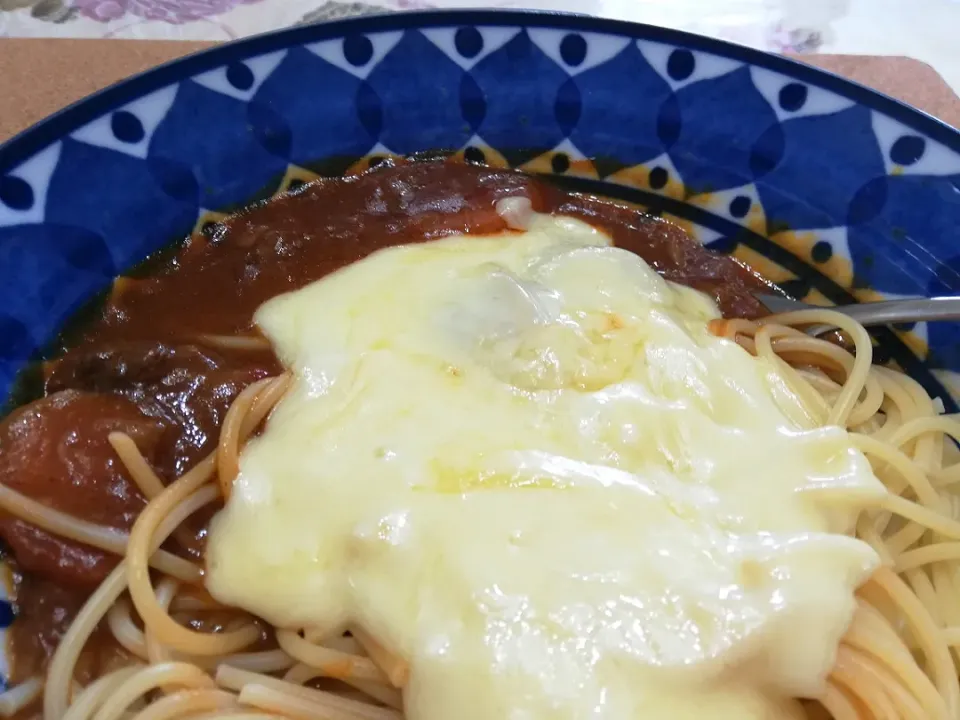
[524, 465]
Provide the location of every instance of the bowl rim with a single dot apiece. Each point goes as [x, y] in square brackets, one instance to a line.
[60, 124]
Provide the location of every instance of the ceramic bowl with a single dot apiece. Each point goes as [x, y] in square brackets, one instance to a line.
[835, 192]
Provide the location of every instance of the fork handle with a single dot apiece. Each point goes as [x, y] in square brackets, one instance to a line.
[889, 312]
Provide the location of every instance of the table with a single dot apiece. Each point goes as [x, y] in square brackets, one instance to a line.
[922, 29]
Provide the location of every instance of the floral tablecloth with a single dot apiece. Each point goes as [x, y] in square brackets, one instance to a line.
[924, 29]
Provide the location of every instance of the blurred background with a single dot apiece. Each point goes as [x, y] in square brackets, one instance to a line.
[922, 29]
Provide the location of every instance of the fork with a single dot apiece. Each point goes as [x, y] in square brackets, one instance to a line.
[886, 312]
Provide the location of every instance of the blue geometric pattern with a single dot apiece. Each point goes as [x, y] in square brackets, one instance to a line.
[320, 130]
[750, 140]
[407, 124]
[531, 112]
[163, 197]
[848, 154]
[711, 147]
[247, 146]
[609, 129]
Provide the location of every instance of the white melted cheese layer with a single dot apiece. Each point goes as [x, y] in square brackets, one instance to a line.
[524, 465]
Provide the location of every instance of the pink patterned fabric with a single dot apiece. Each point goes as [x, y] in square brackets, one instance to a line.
[172, 11]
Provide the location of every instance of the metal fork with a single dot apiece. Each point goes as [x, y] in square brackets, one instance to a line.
[887, 312]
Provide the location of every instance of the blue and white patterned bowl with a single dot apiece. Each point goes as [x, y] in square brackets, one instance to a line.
[832, 190]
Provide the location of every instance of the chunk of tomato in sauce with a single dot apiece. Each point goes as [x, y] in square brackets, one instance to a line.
[187, 388]
[56, 451]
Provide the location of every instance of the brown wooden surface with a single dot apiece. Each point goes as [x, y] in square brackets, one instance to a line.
[38, 77]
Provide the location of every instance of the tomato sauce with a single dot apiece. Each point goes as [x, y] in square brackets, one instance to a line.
[147, 366]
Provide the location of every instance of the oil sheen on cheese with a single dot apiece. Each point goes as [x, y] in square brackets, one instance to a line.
[524, 465]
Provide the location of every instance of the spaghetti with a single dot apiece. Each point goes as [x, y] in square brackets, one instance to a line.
[896, 659]
[899, 658]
